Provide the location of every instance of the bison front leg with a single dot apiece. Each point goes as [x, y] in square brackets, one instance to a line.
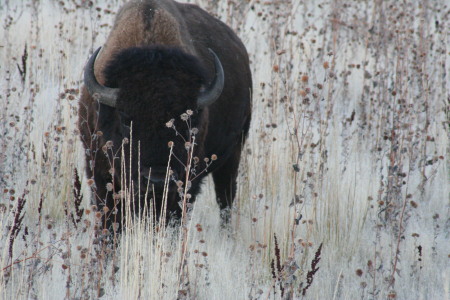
[225, 184]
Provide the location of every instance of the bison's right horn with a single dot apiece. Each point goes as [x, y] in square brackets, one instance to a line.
[103, 94]
[212, 93]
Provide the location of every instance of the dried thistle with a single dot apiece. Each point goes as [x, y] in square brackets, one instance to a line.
[169, 124]
[277, 254]
[279, 269]
[184, 116]
[313, 271]
[41, 200]
[17, 224]
[23, 69]
[78, 196]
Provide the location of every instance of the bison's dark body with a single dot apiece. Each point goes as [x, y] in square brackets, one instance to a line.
[157, 56]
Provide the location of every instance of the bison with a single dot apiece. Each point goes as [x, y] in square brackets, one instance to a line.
[163, 60]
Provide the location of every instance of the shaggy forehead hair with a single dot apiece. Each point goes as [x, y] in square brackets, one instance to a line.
[155, 73]
[154, 61]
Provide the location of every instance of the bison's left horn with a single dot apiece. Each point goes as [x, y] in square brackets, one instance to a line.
[103, 94]
[212, 93]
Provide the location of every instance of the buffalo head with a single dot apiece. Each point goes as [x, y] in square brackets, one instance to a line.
[145, 88]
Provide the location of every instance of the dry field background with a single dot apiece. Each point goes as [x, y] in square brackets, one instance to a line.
[343, 187]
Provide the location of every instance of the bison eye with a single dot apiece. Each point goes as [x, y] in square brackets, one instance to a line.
[124, 118]
[125, 122]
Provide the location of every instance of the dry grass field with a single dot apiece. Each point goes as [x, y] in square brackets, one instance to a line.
[344, 183]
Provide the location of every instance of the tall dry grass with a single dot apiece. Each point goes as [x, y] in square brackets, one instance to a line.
[343, 185]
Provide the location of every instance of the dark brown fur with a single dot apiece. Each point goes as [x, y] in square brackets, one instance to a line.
[157, 54]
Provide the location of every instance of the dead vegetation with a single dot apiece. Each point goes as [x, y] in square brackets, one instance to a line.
[343, 191]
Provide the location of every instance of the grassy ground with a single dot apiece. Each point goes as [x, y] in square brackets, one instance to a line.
[343, 187]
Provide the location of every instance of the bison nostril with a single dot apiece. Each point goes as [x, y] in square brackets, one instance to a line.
[154, 175]
[158, 178]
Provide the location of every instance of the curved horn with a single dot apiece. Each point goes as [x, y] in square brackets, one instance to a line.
[212, 93]
[103, 94]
